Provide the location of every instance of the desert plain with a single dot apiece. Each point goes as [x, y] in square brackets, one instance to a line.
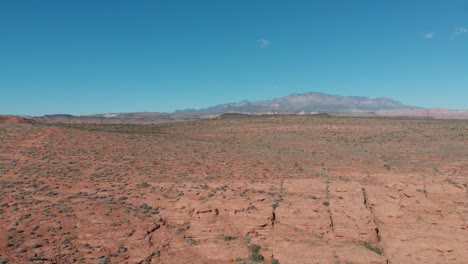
[281, 189]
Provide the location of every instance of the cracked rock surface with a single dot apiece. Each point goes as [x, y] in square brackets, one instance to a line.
[297, 189]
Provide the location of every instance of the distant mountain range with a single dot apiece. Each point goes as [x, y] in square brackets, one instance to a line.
[308, 101]
[295, 104]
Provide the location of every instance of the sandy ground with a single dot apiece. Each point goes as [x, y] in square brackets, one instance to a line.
[285, 189]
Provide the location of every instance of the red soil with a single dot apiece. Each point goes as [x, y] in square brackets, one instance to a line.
[304, 189]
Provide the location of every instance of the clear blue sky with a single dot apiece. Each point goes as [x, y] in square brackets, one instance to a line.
[84, 57]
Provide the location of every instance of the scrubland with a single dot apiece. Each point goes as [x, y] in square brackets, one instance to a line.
[287, 189]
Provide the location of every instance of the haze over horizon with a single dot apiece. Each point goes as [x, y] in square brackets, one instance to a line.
[159, 56]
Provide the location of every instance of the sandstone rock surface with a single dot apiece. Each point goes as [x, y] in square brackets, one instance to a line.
[287, 189]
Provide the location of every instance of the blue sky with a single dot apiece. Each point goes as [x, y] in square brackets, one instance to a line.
[83, 57]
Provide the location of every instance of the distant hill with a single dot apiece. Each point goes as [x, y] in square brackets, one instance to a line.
[117, 118]
[11, 119]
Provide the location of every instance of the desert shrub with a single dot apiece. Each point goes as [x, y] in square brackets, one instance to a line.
[256, 257]
[103, 260]
[229, 238]
[190, 241]
[375, 249]
[36, 245]
[255, 248]
[122, 249]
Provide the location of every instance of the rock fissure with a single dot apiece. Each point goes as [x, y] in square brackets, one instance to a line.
[376, 229]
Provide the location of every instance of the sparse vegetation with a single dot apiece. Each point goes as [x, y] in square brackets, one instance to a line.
[375, 249]
[103, 260]
[121, 249]
[87, 191]
[229, 238]
[255, 256]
